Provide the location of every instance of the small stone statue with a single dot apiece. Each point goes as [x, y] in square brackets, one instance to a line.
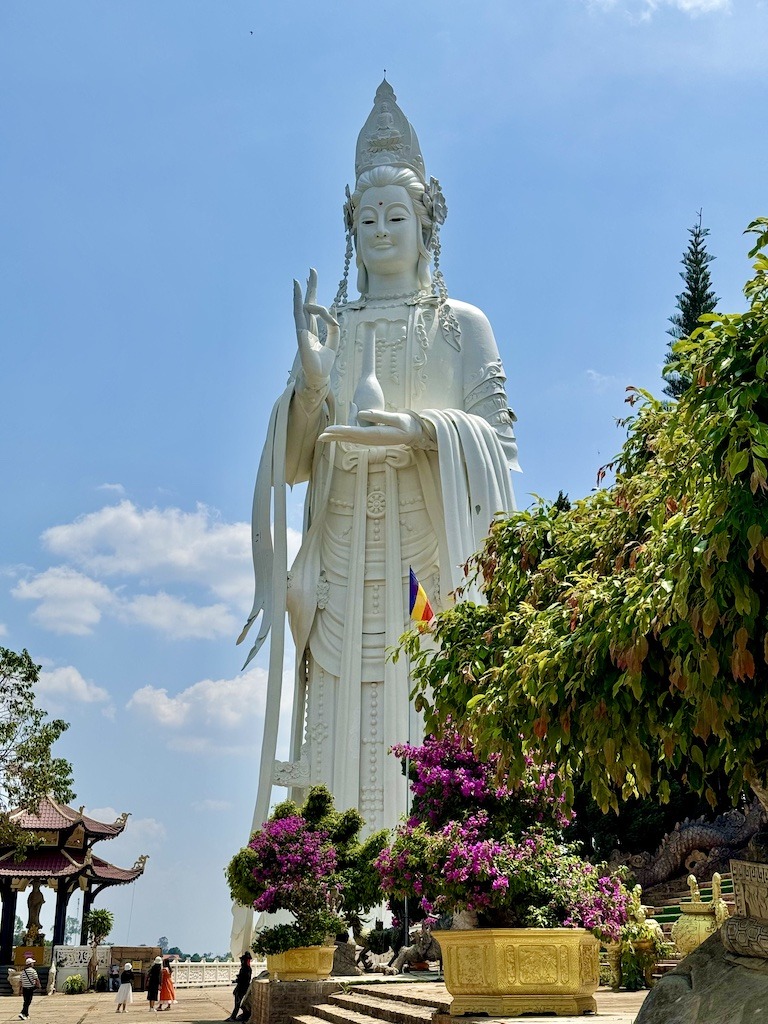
[423, 948]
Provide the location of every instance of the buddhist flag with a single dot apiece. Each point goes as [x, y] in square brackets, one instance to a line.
[421, 609]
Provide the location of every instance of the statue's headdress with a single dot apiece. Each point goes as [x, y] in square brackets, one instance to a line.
[389, 139]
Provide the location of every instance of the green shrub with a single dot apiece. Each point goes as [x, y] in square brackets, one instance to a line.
[74, 985]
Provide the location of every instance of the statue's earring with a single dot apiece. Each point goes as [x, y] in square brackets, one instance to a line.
[439, 285]
[434, 201]
[341, 294]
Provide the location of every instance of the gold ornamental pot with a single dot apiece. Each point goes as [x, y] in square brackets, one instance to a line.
[699, 920]
[306, 963]
[695, 924]
[506, 972]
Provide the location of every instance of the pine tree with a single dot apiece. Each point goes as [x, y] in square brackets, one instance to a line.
[696, 299]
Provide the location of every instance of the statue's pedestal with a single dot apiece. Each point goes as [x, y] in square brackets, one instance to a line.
[278, 1002]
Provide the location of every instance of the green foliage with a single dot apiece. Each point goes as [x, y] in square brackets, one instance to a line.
[639, 824]
[27, 768]
[697, 299]
[626, 639]
[354, 880]
[74, 985]
[99, 924]
[640, 947]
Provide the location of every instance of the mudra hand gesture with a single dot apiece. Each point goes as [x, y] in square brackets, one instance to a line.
[317, 359]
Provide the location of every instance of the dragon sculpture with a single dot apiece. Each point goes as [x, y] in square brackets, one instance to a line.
[697, 847]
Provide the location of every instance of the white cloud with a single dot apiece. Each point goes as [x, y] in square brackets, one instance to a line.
[137, 830]
[644, 9]
[179, 619]
[601, 382]
[114, 488]
[120, 549]
[161, 544]
[212, 805]
[3, 629]
[224, 704]
[69, 601]
[68, 684]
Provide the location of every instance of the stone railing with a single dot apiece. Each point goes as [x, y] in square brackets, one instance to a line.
[207, 973]
[186, 973]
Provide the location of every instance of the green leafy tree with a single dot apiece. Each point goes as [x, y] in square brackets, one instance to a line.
[693, 302]
[99, 924]
[162, 942]
[625, 639]
[71, 929]
[28, 769]
[352, 877]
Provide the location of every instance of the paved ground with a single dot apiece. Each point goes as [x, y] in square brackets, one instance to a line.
[198, 1005]
[612, 1007]
[213, 1005]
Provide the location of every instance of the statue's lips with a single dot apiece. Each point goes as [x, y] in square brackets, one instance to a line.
[383, 245]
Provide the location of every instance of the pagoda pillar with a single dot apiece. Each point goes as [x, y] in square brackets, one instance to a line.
[7, 921]
[87, 904]
[60, 917]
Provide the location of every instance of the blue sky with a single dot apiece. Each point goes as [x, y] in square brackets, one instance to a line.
[167, 167]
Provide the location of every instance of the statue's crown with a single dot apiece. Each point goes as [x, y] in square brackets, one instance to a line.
[388, 137]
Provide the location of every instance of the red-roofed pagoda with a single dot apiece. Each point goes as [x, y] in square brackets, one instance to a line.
[61, 858]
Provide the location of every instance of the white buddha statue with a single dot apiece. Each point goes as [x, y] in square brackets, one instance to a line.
[397, 416]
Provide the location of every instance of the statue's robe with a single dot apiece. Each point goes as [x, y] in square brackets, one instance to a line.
[372, 514]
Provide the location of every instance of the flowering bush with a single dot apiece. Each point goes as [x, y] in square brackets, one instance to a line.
[307, 861]
[480, 841]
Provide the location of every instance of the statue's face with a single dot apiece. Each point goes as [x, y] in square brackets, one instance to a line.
[387, 230]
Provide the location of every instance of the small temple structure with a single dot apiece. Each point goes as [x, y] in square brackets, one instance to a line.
[60, 856]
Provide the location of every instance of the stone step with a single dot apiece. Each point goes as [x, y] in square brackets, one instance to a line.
[424, 993]
[400, 1004]
[395, 1010]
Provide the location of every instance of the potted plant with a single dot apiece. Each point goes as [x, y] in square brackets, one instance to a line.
[481, 842]
[640, 946]
[310, 862]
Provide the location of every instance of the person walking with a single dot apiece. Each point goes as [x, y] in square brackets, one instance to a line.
[125, 992]
[153, 981]
[242, 983]
[167, 988]
[29, 983]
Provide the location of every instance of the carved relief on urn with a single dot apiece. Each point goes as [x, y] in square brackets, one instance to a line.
[699, 920]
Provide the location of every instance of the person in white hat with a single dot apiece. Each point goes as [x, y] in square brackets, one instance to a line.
[153, 981]
[29, 982]
[125, 992]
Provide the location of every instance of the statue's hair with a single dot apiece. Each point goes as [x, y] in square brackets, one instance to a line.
[378, 177]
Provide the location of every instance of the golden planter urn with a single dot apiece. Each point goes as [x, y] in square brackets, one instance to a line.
[307, 963]
[699, 920]
[510, 971]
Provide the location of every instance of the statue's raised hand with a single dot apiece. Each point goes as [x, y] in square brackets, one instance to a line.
[317, 358]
